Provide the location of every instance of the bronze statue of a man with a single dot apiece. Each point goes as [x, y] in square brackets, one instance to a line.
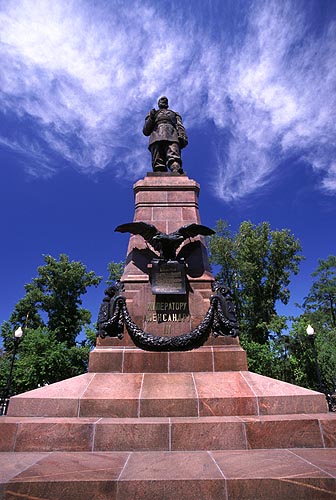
[167, 137]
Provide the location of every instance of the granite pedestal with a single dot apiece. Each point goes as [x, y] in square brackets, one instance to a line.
[192, 425]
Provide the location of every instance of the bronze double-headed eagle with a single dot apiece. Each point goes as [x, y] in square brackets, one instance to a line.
[165, 244]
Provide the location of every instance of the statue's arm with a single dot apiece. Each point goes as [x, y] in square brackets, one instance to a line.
[181, 132]
[149, 123]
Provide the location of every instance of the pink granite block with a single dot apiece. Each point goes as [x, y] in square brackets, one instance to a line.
[165, 181]
[200, 360]
[305, 488]
[114, 385]
[170, 466]
[64, 490]
[57, 400]
[276, 474]
[131, 434]
[143, 214]
[41, 407]
[283, 431]
[207, 433]
[69, 476]
[191, 489]
[12, 464]
[105, 360]
[137, 241]
[151, 197]
[189, 214]
[138, 361]
[7, 434]
[324, 459]
[259, 464]
[224, 393]
[167, 213]
[277, 397]
[168, 407]
[271, 405]
[112, 395]
[185, 197]
[229, 359]
[76, 466]
[175, 224]
[50, 434]
[171, 394]
[328, 427]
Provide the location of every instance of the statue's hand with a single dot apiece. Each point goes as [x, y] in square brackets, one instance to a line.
[152, 113]
[183, 142]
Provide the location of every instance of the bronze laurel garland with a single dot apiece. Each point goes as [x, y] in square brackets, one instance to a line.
[184, 342]
[214, 320]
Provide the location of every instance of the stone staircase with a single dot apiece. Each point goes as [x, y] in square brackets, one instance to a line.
[131, 433]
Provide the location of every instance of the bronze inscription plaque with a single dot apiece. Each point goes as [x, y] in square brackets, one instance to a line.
[168, 278]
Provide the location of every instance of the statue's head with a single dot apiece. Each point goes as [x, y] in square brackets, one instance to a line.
[163, 102]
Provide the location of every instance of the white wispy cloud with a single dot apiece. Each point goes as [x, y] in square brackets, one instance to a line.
[84, 73]
[281, 85]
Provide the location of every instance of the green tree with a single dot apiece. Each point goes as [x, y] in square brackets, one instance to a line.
[56, 293]
[263, 358]
[319, 311]
[256, 263]
[43, 360]
[52, 318]
[299, 364]
[321, 299]
[115, 270]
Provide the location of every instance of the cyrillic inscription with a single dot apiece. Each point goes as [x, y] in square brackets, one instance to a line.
[162, 312]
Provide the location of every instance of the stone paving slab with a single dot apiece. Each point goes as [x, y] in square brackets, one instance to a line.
[200, 394]
[231, 475]
[34, 434]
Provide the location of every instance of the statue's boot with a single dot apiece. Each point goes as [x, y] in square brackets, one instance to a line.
[160, 169]
[176, 168]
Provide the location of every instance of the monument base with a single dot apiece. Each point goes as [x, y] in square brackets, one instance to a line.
[195, 425]
[198, 435]
[138, 427]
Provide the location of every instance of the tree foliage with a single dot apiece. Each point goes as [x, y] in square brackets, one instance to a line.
[321, 299]
[56, 293]
[319, 311]
[43, 360]
[115, 270]
[256, 263]
[52, 317]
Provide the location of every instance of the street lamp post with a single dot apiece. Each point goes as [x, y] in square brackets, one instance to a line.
[311, 334]
[321, 387]
[4, 400]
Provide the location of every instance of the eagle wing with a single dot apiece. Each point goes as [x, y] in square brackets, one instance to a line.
[147, 231]
[193, 230]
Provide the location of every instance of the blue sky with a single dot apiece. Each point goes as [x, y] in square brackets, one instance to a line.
[253, 80]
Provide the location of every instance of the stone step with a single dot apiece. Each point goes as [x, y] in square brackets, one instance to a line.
[298, 474]
[133, 360]
[197, 394]
[31, 434]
